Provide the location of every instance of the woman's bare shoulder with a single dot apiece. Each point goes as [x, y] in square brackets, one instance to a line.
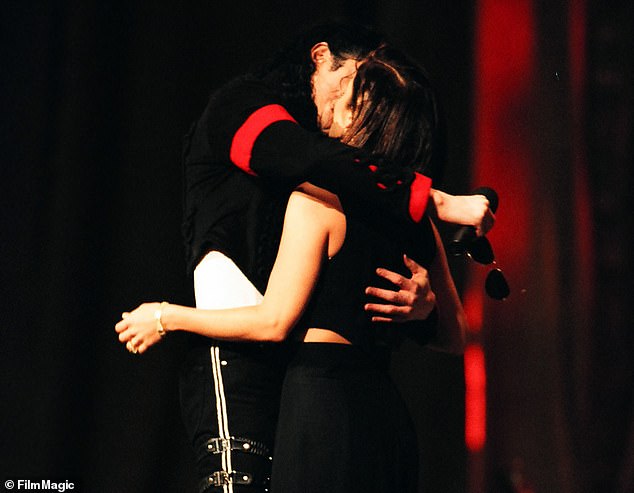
[323, 209]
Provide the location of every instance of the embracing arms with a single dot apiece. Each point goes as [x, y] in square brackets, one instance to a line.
[272, 145]
[249, 126]
[306, 242]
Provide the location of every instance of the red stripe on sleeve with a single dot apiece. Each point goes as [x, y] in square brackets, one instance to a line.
[246, 135]
[419, 195]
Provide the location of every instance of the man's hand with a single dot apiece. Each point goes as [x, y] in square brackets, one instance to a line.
[468, 210]
[414, 299]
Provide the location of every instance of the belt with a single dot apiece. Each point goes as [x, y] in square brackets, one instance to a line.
[218, 445]
[222, 478]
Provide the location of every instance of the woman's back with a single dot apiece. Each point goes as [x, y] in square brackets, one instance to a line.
[343, 426]
[354, 250]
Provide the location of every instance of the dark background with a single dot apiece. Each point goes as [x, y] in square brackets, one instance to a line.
[96, 97]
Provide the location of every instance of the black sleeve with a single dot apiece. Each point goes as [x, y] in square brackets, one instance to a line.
[286, 151]
[255, 132]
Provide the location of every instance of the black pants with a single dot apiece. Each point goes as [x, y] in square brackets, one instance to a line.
[230, 399]
[343, 427]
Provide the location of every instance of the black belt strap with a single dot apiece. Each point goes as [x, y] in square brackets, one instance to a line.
[221, 478]
[219, 445]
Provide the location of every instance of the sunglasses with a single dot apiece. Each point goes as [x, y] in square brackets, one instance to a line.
[480, 251]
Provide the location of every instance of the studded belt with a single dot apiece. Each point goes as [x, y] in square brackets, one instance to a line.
[219, 445]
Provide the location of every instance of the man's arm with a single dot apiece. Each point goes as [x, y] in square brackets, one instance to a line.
[249, 124]
[270, 144]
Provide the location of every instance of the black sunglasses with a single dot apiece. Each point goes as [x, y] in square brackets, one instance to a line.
[480, 250]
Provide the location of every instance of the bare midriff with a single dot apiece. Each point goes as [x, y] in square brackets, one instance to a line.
[324, 335]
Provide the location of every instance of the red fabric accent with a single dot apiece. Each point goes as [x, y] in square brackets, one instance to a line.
[419, 195]
[254, 125]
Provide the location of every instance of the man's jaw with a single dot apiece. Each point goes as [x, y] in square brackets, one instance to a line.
[324, 122]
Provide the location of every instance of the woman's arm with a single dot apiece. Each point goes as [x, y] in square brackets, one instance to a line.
[304, 246]
[452, 322]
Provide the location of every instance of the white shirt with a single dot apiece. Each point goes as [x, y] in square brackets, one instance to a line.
[219, 283]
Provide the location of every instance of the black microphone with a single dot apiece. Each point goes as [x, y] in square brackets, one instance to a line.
[467, 234]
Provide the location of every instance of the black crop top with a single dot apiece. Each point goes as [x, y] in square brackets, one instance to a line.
[338, 301]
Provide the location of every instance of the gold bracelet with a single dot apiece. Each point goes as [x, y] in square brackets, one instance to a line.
[158, 314]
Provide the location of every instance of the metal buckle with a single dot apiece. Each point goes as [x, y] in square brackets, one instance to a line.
[221, 478]
[219, 445]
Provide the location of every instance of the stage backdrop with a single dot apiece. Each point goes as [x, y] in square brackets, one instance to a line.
[96, 97]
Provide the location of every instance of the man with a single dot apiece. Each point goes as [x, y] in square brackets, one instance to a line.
[257, 140]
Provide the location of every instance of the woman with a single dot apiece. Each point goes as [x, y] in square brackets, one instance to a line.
[369, 444]
[343, 427]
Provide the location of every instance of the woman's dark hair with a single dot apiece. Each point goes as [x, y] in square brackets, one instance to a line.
[396, 114]
[290, 70]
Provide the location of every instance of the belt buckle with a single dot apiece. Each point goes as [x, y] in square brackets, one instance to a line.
[218, 445]
[219, 478]
[222, 478]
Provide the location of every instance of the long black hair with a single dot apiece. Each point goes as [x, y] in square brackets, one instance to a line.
[290, 70]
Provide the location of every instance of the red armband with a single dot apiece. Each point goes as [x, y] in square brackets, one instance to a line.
[254, 125]
[418, 197]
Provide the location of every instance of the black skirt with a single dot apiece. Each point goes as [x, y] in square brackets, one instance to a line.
[343, 427]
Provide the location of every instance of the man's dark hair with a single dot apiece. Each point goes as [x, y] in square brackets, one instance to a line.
[290, 69]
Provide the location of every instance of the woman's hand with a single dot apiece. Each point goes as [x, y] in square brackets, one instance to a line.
[414, 299]
[138, 329]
